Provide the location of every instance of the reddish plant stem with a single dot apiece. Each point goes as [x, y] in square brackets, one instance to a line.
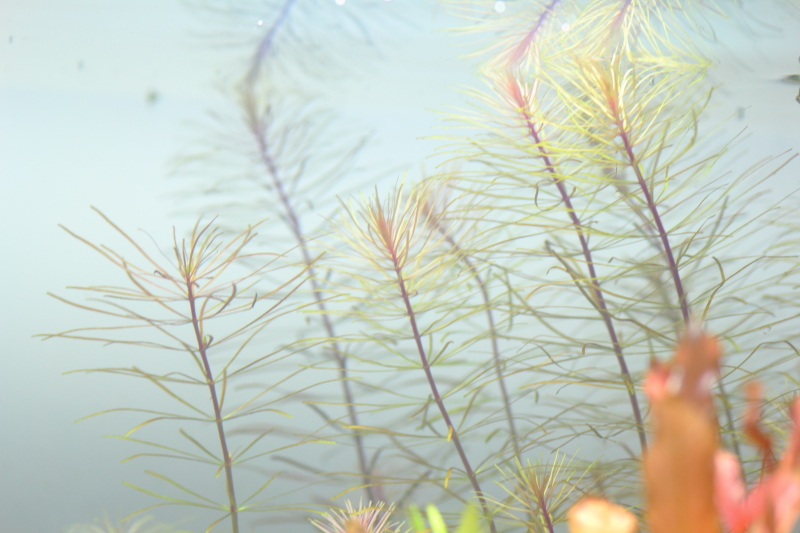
[294, 226]
[595, 284]
[201, 344]
[619, 18]
[546, 514]
[519, 51]
[451, 430]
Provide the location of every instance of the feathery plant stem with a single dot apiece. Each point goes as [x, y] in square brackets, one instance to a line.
[452, 432]
[673, 266]
[600, 302]
[267, 42]
[542, 490]
[498, 363]
[202, 345]
[540, 496]
[546, 514]
[609, 86]
[389, 243]
[293, 221]
[202, 284]
[264, 47]
[670, 256]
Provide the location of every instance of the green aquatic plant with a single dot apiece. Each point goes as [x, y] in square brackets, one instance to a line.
[369, 519]
[280, 136]
[439, 334]
[541, 493]
[587, 161]
[470, 521]
[140, 525]
[405, 277]
[184, 304]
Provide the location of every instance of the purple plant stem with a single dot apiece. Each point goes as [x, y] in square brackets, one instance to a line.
[264, 47]
[598, 294]
[545, 513]
[294, 225]
[522, 47]
[266, 43]
[201, 344]
[451, 430]
[673, 267]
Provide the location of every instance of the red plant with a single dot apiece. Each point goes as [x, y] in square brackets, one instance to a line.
[679, 466]
[773, 504]
[693, 486]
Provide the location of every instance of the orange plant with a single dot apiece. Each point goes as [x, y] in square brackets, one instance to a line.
[692, 485]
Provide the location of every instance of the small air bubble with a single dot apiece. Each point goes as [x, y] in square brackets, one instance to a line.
[565, 26]
[10, 39]
[260, 22]
[500, 6]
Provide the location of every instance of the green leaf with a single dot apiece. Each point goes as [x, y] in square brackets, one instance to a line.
[470, 521]
[435, 519]
[416, 519]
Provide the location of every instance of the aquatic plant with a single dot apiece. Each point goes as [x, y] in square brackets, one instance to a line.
[451, 329]
[139, 525]
[470, 521]
[369, 519]
[188, 301]
[691, 483]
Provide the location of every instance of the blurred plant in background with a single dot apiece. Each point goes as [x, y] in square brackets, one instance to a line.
[139, 525]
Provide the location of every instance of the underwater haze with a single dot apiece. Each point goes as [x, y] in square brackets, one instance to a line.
[331, 251]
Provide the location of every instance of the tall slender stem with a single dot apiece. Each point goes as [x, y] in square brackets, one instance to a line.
[599, 298]
[266, 43]
[546, 514]
[226, 456]
[673, 267]
[451, 430]
[293, 222]
[498, 364]
[662, 233]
